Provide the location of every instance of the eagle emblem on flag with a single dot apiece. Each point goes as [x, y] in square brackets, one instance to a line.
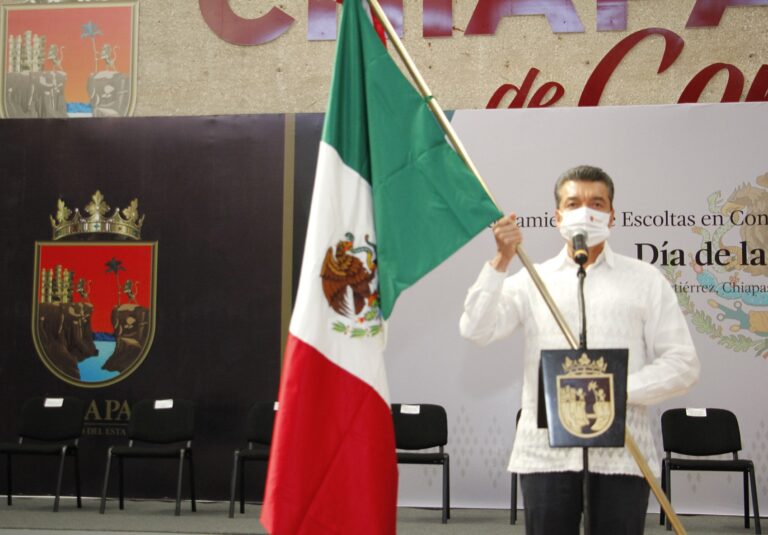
[350, 287]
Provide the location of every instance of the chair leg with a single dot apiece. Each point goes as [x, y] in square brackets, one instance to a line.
[448, 483]
[63, 457]
[233, 485]
[242, 486]
[513, 499]
[78, 491]
[9, 478]
[663, 489]
[669, 493]
[745, 481]
[178, 483]
[446, 487]
[191, 464]
[755, 507]
[103, 504]
[120, 482]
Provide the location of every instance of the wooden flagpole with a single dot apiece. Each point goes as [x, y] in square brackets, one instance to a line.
[540, 286]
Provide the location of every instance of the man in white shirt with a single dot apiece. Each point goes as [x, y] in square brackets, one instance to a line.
[629, 304]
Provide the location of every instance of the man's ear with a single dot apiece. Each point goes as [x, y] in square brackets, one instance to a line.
[558, 217]
[612, 222]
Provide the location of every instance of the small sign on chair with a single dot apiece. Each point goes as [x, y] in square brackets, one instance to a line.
[53, 402]
[163, 404]
[410, 409]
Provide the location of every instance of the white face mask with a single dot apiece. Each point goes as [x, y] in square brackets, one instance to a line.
[584, 219]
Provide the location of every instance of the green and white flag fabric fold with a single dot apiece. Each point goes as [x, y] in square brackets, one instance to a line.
[427, 203]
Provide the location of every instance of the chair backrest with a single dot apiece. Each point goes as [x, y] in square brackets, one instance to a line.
[260, 422]
[162, 421]
[53, 419]
[713, 433]
[419, 426]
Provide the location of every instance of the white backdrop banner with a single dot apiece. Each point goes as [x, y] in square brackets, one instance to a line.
[691, 198]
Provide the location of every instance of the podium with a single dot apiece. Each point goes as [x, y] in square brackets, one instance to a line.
[583, 400]
[585, 397]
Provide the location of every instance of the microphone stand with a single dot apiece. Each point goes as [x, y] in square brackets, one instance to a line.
[581, 274]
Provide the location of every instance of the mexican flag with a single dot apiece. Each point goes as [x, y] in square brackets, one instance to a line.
[391, 201]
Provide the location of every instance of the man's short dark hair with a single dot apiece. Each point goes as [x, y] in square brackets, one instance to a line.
[587, 173]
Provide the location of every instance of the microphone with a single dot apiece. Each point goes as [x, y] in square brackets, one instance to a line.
[580, 250]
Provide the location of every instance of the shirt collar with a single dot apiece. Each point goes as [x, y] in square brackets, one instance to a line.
[562, 260]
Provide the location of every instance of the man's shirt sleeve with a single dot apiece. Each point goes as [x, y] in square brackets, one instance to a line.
[492, 307]
[673, 365]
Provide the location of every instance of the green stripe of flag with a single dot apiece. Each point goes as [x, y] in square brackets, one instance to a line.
[427, 204]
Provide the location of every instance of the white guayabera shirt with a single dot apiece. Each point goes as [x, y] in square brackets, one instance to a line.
[629, 304]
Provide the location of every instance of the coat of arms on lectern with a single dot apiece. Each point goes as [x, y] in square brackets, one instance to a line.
[585, 396]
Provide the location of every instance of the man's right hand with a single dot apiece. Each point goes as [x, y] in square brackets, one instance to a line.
[508, 236]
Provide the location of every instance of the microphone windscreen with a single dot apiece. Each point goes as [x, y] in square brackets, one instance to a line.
[580, 250]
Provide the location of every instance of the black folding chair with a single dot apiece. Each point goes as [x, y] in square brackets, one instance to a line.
[164, 429]
[419, 427]
[701, 433]
[259, 425]
[48, 426]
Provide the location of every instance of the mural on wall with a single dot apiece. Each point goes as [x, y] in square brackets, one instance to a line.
[93, 310]
[729, 268]
[69, 59]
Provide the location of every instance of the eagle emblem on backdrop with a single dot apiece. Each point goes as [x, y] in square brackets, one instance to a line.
[93, 311]
[585, 397]
[69, 59]
[350, 287]
[730, 305]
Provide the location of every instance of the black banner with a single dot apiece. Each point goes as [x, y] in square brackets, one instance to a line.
[211, 189]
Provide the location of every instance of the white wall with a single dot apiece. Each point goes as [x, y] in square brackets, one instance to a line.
[661, 158]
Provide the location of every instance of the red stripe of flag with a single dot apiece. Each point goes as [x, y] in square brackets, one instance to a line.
[344, 480]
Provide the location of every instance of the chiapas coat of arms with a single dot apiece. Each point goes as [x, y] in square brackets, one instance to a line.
[69, 59]
[585, 397]
[93, 318]
[585, 394]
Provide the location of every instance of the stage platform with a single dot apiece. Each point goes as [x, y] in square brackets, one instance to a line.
[33, 516]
